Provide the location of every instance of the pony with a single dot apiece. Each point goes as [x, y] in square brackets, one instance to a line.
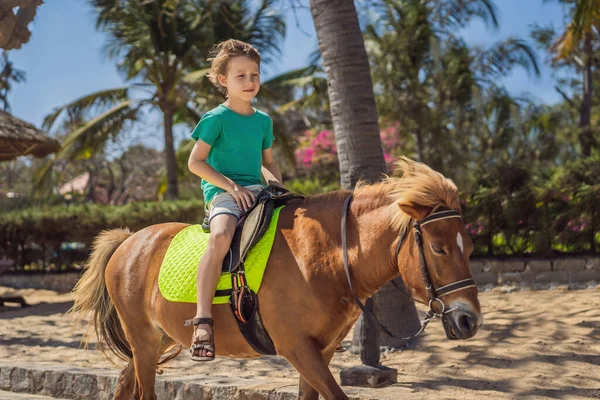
[305, 272]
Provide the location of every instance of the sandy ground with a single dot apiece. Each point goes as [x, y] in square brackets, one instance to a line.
[533, 344]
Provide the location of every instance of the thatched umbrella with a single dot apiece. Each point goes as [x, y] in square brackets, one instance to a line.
[20, 138]
[13, 25]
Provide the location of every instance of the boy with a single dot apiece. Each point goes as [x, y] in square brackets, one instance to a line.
[232, 141]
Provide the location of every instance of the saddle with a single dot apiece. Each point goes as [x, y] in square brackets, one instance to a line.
[252, 224]
[251, 227]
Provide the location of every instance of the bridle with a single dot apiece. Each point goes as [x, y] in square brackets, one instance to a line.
[435, 295]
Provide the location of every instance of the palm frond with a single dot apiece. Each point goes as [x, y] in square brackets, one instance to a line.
[97, 100]
[187, 115]
[91, 136]
[458, 13]
[288, 78]
[502, 57]
[195, 77]
[315, 58]
[586, 17]
[296, 89]
[266, 29]
[565, 45]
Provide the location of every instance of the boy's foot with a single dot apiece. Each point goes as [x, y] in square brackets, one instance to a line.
[203, 344]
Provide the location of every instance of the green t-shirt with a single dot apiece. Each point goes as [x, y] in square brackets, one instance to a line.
[237, 142]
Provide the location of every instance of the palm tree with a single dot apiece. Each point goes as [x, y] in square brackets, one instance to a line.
[160, 46]
[578, 39]
[351, 98]
[354, 115]
[427, 77]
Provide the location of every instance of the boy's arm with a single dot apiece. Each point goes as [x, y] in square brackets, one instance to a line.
[198, 166]
[268, 162]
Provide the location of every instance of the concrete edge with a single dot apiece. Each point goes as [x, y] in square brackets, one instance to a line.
[70, 382]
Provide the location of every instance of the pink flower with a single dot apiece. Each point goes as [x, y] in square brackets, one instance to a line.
[388, 158]
[323, 135]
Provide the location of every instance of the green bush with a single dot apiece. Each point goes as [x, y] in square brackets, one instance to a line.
[517, 212]
[510, 212]
[311, 186]
[41, 229]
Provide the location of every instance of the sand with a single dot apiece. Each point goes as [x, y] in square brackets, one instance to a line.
[533, 344]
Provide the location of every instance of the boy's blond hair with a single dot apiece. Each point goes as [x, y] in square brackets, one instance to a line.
[222, 53]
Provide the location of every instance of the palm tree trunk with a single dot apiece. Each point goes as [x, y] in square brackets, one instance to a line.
[397, 313]
[353, 109]
[586, 139]
[355, 124]
[172, 185]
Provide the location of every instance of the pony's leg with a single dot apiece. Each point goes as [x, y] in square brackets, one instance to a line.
[126, 383]
[307, 392]
[313, 367]
[146, 348]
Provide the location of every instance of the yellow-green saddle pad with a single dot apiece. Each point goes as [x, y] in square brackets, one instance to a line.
[177, 276]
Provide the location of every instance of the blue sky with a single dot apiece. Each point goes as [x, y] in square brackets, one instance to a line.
[64, 58]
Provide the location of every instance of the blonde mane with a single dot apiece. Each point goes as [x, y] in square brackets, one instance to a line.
[417, 184]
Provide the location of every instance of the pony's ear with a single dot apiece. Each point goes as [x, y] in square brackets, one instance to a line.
[415, 211]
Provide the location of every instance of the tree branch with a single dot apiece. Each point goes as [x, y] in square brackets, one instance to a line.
[296, 5]
[564, 95]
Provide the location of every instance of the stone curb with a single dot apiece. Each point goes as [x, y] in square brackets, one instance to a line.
[69, 382]
[22, 396]
[89, 383]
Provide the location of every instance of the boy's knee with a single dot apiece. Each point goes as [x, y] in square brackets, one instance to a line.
[220, 239]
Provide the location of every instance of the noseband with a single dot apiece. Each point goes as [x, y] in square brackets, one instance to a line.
[435, 295]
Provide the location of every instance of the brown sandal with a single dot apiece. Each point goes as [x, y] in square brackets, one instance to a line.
[205, 342]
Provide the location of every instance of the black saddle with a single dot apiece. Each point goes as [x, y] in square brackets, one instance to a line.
[253, 224]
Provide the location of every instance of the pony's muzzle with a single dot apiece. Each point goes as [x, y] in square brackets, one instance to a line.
[465, 324]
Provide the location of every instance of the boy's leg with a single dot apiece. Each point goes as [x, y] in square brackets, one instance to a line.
[222, 228]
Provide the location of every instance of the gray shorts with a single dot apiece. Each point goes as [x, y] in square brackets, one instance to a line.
[224, 203]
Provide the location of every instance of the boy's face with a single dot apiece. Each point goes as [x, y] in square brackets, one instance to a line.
[242, 79]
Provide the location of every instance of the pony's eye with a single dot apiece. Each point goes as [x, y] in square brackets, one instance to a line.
[437, 249]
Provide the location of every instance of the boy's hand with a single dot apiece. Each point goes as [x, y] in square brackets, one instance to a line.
[243, 197]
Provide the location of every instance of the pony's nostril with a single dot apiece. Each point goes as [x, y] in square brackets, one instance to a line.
[466, 323]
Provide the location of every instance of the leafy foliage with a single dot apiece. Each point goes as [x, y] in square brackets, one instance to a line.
[24, 230]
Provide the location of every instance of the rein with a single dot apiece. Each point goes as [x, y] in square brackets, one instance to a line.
[434, 294]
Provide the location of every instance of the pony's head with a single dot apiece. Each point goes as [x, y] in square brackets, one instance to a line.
[421, 195]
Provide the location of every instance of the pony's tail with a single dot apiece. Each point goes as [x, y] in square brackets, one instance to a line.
[91, 298]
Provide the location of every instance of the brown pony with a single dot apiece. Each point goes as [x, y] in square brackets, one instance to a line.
[305, 270]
